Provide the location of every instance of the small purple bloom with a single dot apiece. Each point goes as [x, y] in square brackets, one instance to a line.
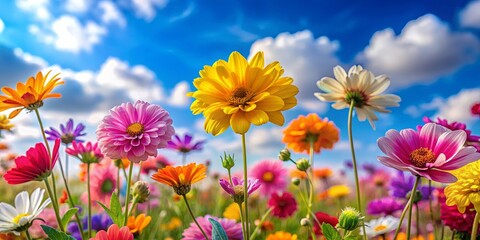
[237, 188]
[401, 185]
[67, 132]
[369, 168]
[472, 140]
[384, 206]
[100, 221]
[185, 145]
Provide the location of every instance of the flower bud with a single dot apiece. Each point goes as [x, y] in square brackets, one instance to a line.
[228, 161]
[305, 222]
[416, 198]
[303, 164]
[350, 219]
[284, 155]
[296, 181]
[140, 191]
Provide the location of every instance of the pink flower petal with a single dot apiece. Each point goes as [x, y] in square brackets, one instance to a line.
[449, 143]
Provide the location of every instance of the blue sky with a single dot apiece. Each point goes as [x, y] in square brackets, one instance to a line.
[111, 52]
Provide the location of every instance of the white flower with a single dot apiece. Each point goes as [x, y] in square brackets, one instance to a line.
[19, 218]
[360, 86]
[381, 226]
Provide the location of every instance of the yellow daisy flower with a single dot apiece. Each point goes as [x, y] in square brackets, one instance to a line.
[338, 191]
[238, 92]
[232, 211]
[466, 189]
[29, 96]
[5, 123]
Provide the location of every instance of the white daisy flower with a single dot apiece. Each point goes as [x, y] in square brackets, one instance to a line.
[19, 218]
[379, 226]
[360, 86]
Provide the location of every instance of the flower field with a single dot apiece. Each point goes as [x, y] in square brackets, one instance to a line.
[425, 185]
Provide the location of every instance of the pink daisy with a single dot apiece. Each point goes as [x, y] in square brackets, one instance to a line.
[271, 175]
[86, 152]
[428, 153]
[231, 227]
[283, 205]
[103, 182]
[135, 131]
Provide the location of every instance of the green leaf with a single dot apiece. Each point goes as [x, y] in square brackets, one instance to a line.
[330, 232]
[67, 216]
[115, 210]
[53, 233]
[115, 206]
[218, 233]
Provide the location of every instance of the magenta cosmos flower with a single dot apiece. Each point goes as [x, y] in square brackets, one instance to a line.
[36, 165]
[428, 153]
[283, 205]
[135, 131]
[231, 227]
[271, 175]
[236, 188]
[86, 152]
[185, 144]
[472, 140]
[384, 206]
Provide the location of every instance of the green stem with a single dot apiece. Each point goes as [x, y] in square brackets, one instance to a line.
[245, 185]
[475, 226]
[354, 162]
[28, 235]
[193, 216]
[89, 203]
[404, 212]
[410, 207]
[127, 197]
[134, 204]
[118, 181]
[312, 233]
[264, 217]
[310, 180]
[230, 176]
[43, 131]
[55, 206]
[242, 220]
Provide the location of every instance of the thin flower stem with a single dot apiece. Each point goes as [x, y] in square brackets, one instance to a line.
[453, 235]
[354, 162]
[410, 207]
[310, 196]
[55, 206]
[312, 233]
[417, 218]
[89, 203]
[475, 226]
[264, 217]
[118, 180]
[241, 220]
[28, 235]
[245, 185]
[230, 176]
[134, 204]
[127, 197]
[193, 216]
[404, 212]
[139, 171]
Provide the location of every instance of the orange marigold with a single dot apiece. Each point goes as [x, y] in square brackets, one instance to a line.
[137, 224]
[30, 95]
[181, 177]
[322, 173]
[311, 128]
[295, 173]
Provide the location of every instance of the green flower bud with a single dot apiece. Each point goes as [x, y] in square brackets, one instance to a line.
[284, 155]
[140, 191]
[303, 164]
[228, 161]
[350, 219]
[296, 181]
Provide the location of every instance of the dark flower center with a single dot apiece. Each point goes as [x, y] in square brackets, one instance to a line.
[421, 156]
[239, 96]
[67, 138]
[107, 186]
[359, 98]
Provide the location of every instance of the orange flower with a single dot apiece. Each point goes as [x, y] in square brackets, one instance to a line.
[295, 173]
[64, 197]
[3, 146]
[83, 172]
[122, 163]
[182, 177]
[29, 96]
[311, 128]
[323, 173]
[137, 224]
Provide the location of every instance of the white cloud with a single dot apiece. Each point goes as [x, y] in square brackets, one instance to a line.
[263, 140]
[345, 145]
[304, 58]
[179, 97]
[111, 14]
[185, 13]
[470, 16]
[146, 9]
[417, 111]
[457, 107]
[2, 26]
[77, 6]
[38, 7]
[425, 50]
[71, 36]
[29, 58]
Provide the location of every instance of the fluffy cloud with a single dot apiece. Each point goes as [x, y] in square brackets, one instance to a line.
[111, 14]
[146, 9]
[179, 97]
[457, 107]
[417, 111]
[304, 58]
[425, 50]
[469, 17]
[77, 6]
[38, 7]
[2, 26]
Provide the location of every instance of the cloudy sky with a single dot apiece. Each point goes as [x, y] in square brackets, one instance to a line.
[109, 52]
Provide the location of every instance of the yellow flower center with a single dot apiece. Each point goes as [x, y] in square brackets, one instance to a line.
[135, 129]
[380, 227]
[267, 177]
[421, 156]
[238, 190]
[239, 96]
[16, 219]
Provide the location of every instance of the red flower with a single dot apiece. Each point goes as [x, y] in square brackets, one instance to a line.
[323, 218]
[35, 166]
[476, 109]
[283, 205]
[114, 233]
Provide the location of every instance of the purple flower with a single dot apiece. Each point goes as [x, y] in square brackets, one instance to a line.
[472, 140]
[236, 190]
[67, 132]
[384, 206]
[369, 168]
[184, 145]
[231, 227]
[401, 185]
[100, 221]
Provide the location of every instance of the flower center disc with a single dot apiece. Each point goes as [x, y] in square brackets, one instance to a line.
[359, 98]
[107, 186]
[267, 177]
[421, 156]
[380, 227]
[19, 216]
[239, 96]
[135, 129]
[238, 190]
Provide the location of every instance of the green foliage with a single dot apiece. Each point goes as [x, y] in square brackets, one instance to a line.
[115, 210]
[54, 234]
[330, 232]
[218, 233]
[67, 216]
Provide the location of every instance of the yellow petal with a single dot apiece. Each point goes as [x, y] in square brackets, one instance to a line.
[276, 118]
[217, 126]
[239, 123]
[239, 63]
[14, 113]
[257, 117]
[271, 103]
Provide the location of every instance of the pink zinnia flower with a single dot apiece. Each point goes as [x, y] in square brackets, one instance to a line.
[231, 227]
[86, 152]
[114, 233]
[103, 182]
[428, 153]
[283, 205]
[236, 188]
[36, 165]
[272, 176]
[135, 131]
